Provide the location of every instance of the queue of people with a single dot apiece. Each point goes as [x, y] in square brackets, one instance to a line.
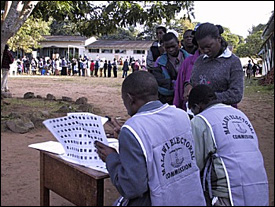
[209, 83]
[82, 66]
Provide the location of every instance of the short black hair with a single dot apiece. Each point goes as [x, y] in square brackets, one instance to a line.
[162, 28]
[188, 30]
[201, 94]
[169, 36]
[141, 84]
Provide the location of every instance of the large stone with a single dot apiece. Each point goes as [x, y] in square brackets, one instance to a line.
[6, 94]
[29, 95]
[68, 99]
[82, 100]
[85, 108]
[22, 125]
[50, 97]
[37, 117]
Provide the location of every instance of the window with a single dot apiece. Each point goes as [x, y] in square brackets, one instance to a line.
[106, 51]
[93, 50]
[139, 51]
[120, 51]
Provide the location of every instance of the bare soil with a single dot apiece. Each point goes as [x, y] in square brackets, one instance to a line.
[20, 164]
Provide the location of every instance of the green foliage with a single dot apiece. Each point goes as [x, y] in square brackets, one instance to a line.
[181, 25]
[63, 28]
[252, 45]
[121, 34]
[29, 35]
[58, 10]
[92, 20]
[232, 39]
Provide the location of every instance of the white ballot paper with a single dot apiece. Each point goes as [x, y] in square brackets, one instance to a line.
[77, 133]
[49, 146]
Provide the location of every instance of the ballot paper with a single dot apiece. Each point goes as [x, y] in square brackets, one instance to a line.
[77, 133]
[49, 146]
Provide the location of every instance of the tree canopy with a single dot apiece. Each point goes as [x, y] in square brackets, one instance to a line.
[253, 42]
[91, 19]
[87, 17]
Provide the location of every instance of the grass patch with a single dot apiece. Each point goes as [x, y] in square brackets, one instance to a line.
[21, 105]
[253, 87]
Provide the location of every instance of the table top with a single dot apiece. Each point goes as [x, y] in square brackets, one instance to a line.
[89, 171]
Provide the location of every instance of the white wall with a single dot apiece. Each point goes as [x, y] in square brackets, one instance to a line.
[111, 56]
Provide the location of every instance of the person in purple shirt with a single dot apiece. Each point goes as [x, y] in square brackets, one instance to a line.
[182, 84]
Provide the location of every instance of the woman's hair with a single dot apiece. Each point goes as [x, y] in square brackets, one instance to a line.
[201, 94]
[141, 84]
[208, 29]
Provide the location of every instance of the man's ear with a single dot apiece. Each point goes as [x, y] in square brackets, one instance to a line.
[131, 98]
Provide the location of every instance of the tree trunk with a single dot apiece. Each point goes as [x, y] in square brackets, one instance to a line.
[14, 16]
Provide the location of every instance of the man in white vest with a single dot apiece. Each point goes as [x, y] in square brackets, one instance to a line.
[227, 152]
[156, 163]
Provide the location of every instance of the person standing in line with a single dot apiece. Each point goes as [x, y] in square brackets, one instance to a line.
[254, 69]
[84, 67]
[109, 69]
[96, 68]
[101, 66]
[69, 64]
[57, 66]
[248, 70]
[155, 165]
[115, 68]
[167, 67]
[64, 65]
[218, 67]
[156, 49]
[40, 66]
[74, 66]
[227, 152]
[79, 65]
[33, 66]
[125, 68]
[136, 66]
[105, 67]
[27, 66]
[5, 68]
[92, 68]
[187, 42]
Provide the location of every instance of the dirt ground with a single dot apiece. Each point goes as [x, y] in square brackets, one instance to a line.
[20, 164]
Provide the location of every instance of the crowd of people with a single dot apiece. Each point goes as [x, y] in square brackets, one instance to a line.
[82, 66]
[203, 151]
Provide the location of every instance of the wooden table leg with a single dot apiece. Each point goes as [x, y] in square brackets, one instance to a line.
[44, 192]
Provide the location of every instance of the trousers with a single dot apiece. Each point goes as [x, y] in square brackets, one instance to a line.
[4, 81]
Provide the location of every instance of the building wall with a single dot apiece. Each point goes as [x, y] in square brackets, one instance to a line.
[111, 56]
[60, 49]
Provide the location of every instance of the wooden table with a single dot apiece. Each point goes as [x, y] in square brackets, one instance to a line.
[80, 185]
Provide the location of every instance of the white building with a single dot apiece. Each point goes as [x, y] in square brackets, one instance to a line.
[119, 49]
[74, 46]
[63, 46]
[267, 51]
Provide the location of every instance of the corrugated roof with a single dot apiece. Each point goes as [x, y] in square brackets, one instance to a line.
[120, 44]
[269, 28]
[63, 38]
